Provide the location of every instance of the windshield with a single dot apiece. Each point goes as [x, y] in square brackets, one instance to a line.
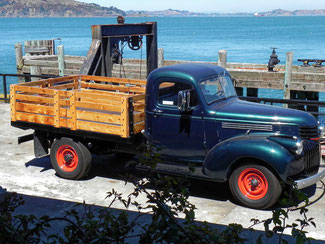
[217, 88]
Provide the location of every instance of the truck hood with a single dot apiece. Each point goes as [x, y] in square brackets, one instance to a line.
[236, 110]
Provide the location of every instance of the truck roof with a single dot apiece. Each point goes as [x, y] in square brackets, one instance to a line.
[189, 71]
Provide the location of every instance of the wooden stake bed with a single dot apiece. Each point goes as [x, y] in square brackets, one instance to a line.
[90, 103]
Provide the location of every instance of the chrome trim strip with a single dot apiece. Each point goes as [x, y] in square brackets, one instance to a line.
[242, 126]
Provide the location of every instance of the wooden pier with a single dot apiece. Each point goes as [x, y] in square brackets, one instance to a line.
[286, 77]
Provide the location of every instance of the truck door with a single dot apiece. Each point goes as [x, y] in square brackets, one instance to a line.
[178, 135]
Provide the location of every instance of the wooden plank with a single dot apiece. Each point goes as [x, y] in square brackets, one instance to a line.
[101, 128]
[101, 101]
[109, 93]
[138, 127]
[57, 109]
[65, 102]
[138, 117]
[124, 117]
[35, 118]
[114, 80]
[73, 120]
[64, 86]
[94, 95]
[98, 117]
[38, 99]
[139, 107]
[41, 62]
[34, 90]
[94, 105]
[64, 113]
[13, 102]
[139, 98]
[51, 80]
[116, 88]
[34, 108]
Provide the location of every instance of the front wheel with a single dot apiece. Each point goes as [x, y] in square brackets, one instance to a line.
[70, 159]
[255, 186]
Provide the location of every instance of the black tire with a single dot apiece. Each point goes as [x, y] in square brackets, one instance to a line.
[255, 186]
[70, 159]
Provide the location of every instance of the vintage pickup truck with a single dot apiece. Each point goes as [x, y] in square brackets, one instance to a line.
[190, 112]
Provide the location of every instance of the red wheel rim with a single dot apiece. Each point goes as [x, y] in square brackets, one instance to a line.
[67, 158]
[252, 184]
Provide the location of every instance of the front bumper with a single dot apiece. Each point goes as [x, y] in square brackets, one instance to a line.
[311, 180]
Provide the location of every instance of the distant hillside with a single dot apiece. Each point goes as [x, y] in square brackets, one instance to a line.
[178, 13]
[54, 8]
[281, 12]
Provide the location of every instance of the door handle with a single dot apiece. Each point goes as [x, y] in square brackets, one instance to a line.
[157, 112]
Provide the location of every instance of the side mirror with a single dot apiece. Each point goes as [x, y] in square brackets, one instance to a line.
[183, 101]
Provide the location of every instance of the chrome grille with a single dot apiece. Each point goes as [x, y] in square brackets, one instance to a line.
[308, 132]
[312, 157]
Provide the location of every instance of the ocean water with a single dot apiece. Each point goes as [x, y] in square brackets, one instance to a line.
[247, 39]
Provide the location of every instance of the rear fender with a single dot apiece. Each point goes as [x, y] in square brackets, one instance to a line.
[224, 155]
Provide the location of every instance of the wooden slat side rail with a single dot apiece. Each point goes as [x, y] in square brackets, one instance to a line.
[139, 98]
[34, 108]
[94, 105]
[134, 89]
[124, 117]
[139, 127]
[38, 99]
[13, 102]
[138, 117]
[99, 117]
[63, 86]
[109, 93]
[95, 96]
[114, 80]
[50, 81]
[34, 90]
[35, 118]
[139, 107]
[101, 128]
[100, 101]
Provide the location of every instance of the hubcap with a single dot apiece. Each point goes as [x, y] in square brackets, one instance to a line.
[252, 183]
[67, 158]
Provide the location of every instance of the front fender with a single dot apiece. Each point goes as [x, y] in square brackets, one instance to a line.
[222, 156]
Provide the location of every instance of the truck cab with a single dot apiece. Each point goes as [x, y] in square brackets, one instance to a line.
[193, 115]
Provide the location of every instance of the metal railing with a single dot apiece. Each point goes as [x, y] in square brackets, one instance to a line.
[26, 77]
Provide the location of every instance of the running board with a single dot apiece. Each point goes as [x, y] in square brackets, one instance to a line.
[177, 170]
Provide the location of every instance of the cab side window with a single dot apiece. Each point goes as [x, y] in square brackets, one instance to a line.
[168, 93]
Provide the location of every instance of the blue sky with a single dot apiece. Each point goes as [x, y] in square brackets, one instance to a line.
[228, 6]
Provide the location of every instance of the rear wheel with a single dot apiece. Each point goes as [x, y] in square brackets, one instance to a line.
[255, 186]
[70, 159]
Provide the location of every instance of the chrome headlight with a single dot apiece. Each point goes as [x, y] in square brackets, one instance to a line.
[299, 147]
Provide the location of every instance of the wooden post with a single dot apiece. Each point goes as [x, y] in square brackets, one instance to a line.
[73, 112]
[19, 60]
[287, 76]
[124, 117]
[222, 58]
[161, 57]
[56, 108]
[13, 102]
[35, 70]
[61, 60]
